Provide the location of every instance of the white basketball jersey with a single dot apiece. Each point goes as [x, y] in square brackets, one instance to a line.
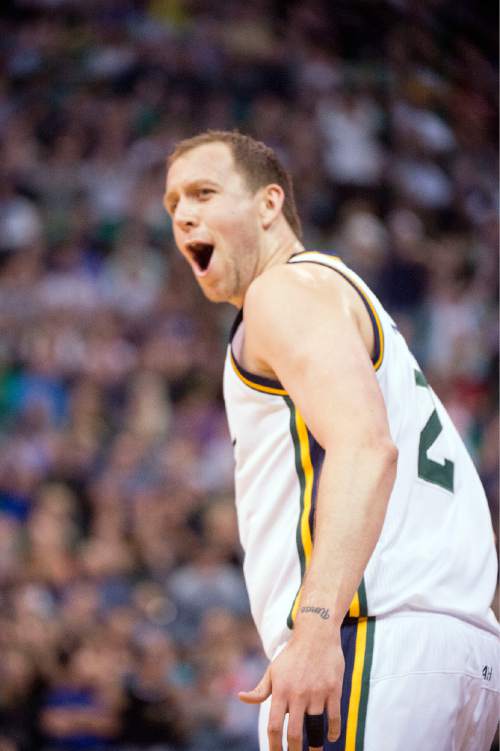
[436, 550]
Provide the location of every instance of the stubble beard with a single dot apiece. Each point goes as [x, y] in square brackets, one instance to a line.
[227, 289]
[241, 268]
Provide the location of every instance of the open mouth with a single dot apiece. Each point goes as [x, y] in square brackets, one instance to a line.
[201, 253]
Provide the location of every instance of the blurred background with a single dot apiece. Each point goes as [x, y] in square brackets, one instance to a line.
[124, 621]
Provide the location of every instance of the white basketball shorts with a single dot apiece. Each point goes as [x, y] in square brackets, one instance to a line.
[415, 681]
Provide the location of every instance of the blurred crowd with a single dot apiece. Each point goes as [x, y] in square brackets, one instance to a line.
[124, 622]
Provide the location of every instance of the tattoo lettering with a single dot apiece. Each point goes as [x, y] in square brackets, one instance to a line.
[322, 612]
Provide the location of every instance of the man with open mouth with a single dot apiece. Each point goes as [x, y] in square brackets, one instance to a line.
[369, 552]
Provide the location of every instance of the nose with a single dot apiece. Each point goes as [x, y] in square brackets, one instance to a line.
[185, 215]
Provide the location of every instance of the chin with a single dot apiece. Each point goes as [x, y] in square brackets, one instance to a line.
[215, 295]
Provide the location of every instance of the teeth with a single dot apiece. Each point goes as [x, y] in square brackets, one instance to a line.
[198, 245]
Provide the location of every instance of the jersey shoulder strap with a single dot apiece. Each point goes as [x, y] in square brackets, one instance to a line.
[372, 304]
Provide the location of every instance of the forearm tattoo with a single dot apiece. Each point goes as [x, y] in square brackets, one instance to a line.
[322, 612]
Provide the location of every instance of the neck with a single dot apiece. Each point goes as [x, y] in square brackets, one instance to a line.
[279, 253]
[275, 253]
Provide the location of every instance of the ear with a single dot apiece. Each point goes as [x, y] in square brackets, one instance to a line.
[271, 202]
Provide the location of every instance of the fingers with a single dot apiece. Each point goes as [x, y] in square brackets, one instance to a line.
[261, 691]
[295, 726]
[333, 712]
[315, 724]
[275, 724]
[316, 707]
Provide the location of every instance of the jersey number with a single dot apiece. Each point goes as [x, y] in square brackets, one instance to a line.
[434, 472]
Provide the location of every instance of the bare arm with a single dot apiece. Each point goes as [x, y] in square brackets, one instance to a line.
[308, 333]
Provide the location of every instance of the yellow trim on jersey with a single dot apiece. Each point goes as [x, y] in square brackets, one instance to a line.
[305, 455]
[305, 529]
[325, 257]
[357, 674]
[254, 384]
[314, 253]
[380, 357]
[354, 610]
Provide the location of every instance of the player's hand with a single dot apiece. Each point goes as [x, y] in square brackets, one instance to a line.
[305, 678]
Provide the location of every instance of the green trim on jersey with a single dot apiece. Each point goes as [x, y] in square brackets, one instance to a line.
[365, 684]
[303, 535]
[363, 604]
[302, 481]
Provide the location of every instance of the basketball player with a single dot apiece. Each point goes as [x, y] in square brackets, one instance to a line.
[369, 554]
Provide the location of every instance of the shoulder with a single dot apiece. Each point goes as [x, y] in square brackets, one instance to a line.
[304, 302]
[296, 291]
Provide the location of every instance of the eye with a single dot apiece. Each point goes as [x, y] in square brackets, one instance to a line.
[204, 193]
[172, 207]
